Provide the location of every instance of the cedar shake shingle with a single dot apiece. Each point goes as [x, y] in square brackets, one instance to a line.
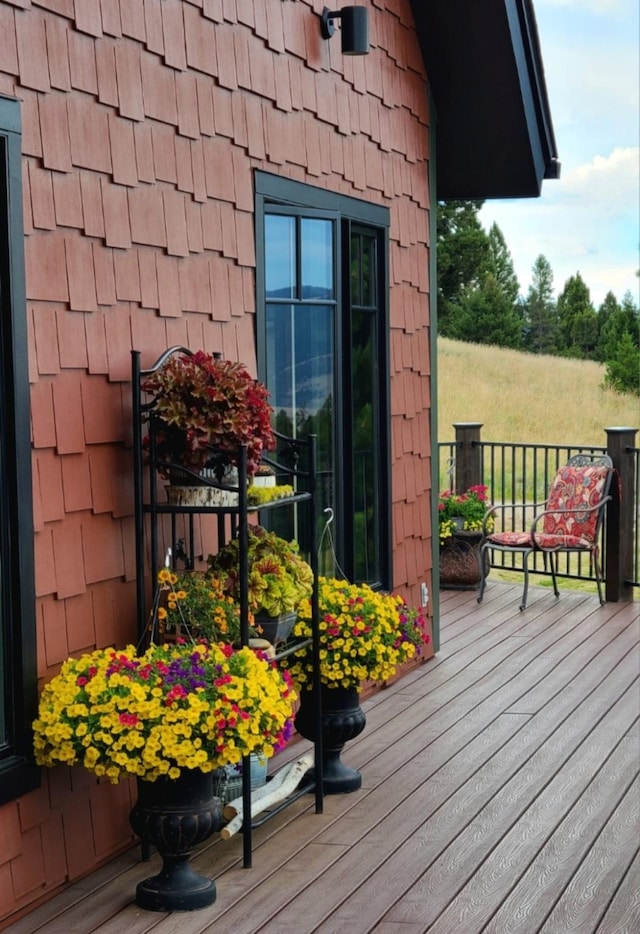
[123, 151]
[200, 41]
[168, 286]
[175, 223]
[68, 199]
[102, 546]
[80, 273]
[144, 152]
[54, 129]
[127, 275]
[67, 554]
[76, 485]
[53, 851]
[116, 215]
[46, 274]
[72, 346]
[43, 430]
[45, 574]
[153, 27]
[195, 287]
[58, 53]
[194, 226]
[187, 103]
[32, 51]
[164, 153]
[82, 62]
[129, 80]
[148, 278]
[55, 633]
[88, 134]
[105, 275]
[67, 410]
[133, 19]
[41, 197]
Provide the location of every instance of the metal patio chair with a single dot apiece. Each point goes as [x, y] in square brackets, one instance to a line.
[570, 521]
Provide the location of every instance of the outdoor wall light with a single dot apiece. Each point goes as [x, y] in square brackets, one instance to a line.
[354, 28]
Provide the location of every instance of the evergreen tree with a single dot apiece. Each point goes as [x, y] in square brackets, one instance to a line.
[623, 368]
[606, 311]
[463, 256]
[501, 265]
[488, 316]
[620, 319]
[539, 310]
[578, 319]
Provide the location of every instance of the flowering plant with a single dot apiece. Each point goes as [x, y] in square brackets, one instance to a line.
[175, 707]
[194, 605]
[204, 403]
[469, 508]
[364, 634]
[279, 579]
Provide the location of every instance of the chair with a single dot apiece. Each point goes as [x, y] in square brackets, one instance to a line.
[570, 521]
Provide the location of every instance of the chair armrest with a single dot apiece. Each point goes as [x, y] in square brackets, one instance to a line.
[565, 512]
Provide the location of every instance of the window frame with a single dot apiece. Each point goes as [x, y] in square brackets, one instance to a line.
[273, 191]
[18, 677]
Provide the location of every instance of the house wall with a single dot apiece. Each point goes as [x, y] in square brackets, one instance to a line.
[143, 121]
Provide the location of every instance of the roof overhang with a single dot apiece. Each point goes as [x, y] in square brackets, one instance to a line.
[494, 135]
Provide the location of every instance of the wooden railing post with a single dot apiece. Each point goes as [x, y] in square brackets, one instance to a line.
[620, 515]
[468, 455]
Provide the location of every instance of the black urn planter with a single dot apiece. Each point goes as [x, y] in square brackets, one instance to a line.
[175, 815]
[342, 719]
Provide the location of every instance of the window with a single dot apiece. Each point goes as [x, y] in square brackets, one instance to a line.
[18, 686]
[323, 353]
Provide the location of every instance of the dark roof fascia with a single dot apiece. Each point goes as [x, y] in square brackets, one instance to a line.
[494, 130]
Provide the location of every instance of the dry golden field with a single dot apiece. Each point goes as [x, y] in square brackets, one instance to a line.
[526, 397]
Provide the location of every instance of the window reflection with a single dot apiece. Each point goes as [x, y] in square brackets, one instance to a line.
[317, 258]
[280, 256]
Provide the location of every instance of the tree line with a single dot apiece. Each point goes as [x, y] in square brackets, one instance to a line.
[479, 301]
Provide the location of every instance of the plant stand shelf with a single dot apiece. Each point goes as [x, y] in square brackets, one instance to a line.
[160, 525]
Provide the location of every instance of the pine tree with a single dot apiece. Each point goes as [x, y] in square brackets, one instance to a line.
[539, 310]
[578, 319]
[463, 256]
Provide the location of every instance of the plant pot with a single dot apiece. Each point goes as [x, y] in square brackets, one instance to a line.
[275, 629]
[342, 719]
[175, 815]
[460, 561]
[228, 784]
[184, 490]
[265, 480]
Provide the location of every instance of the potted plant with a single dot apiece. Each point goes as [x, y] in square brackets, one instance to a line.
[364, 635]
[462, 511]
[194, 605]
[461, 517]
[279, 579]
[203, 410]
[169, 718]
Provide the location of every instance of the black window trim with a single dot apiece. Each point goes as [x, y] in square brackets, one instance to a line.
[280, 191]
[18, 773]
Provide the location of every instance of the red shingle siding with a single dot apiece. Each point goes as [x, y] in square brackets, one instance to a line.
[142, 124]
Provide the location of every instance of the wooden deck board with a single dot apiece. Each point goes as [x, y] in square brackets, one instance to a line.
[500, 794]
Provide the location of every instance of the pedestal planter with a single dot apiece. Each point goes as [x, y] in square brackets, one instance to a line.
[342, 719]
[459, 561]
[175, 815]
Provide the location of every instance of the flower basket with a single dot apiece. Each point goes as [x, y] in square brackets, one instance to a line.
[459, 561]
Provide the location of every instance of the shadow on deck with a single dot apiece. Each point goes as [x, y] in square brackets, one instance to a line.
[500, 794]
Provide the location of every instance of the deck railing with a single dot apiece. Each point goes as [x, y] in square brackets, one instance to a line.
[521, 473]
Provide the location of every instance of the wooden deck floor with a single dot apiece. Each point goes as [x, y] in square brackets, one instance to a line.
[500, 794]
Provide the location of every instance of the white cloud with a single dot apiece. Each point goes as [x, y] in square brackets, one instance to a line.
[587, 222]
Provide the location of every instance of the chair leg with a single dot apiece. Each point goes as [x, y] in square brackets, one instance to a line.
[596, 565]
[525, 562]
[553, 564]
[483, 577]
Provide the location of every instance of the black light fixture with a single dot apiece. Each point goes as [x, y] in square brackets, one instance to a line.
[354, 21]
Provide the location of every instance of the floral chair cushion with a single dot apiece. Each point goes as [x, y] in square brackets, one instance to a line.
[573, 488]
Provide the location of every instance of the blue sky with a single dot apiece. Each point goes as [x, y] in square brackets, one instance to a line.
[589, 220]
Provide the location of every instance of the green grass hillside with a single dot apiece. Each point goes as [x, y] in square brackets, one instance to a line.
[526, 397]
